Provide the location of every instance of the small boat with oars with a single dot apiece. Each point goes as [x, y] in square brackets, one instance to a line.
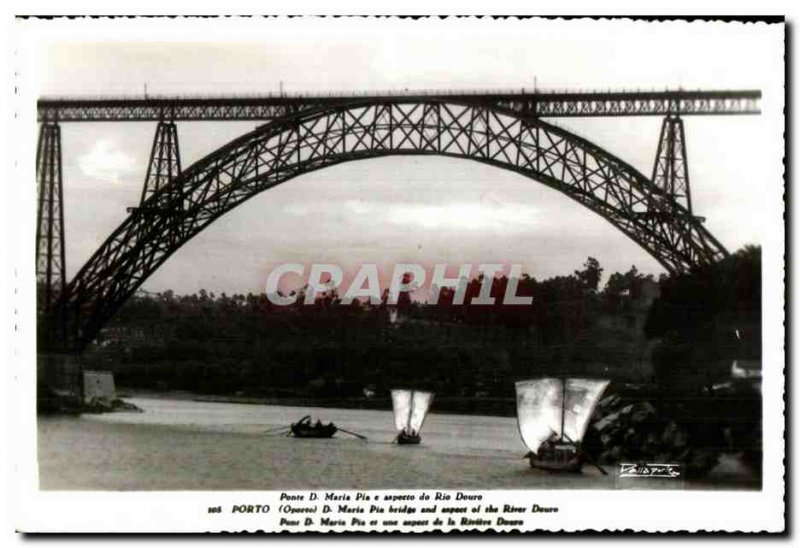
[552, 415]
[410, 409]
[304, 428]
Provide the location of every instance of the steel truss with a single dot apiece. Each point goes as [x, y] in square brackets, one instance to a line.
[281, 150]
[165, 161]
[541, 104]
[50, 260]
[671, 169]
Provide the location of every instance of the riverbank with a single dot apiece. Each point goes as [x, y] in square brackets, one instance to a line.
[492, 407]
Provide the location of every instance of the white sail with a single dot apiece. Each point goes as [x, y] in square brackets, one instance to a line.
[542, 409]
[420, 403]
[538, 410]
[582, 396]
[410, 408]
[401, 404]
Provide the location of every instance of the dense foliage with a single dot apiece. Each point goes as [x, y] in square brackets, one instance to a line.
[244, 344]
[705, 319]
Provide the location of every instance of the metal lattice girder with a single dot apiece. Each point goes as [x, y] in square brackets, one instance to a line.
[50, 263]
[269, 107]
[671, 169]
[281, 150]
[165, 162]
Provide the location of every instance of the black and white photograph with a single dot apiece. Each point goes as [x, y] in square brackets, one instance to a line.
[392, 274]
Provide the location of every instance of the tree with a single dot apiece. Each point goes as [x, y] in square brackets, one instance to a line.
[622, 290]
[706, 318]
[590, 276]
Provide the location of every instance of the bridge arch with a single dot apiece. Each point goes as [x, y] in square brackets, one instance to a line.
[352, 130]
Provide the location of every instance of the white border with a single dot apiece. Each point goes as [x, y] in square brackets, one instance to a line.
[185, 511]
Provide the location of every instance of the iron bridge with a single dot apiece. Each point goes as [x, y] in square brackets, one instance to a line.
[302, 133]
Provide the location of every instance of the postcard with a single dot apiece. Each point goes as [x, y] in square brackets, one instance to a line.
[398, 275]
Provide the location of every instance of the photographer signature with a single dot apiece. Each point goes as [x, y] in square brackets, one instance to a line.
[646, 470]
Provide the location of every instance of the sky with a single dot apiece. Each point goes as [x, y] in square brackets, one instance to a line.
[424, 210]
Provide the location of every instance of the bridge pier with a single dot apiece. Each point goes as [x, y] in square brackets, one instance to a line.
[165, 160]
[50, 260]
[671, 168]
[59, 383]
[162, 168]
[59, 376]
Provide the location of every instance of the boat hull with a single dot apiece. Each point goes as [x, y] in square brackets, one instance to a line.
[410, 408]
[574, 466]
[408, 439]
[561, 459]
[313, 432]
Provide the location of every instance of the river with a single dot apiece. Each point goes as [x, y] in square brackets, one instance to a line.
[179, 444]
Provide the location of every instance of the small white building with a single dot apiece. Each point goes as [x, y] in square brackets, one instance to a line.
[746, 369]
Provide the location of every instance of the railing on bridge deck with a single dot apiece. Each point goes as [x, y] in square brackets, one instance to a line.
[270, 106]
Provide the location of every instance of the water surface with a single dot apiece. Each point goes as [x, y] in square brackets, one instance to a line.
[192, 445]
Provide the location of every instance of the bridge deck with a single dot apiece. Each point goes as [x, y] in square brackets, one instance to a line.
[266, 107]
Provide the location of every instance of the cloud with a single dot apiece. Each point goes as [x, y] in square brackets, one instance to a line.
[466, 215]
[105, 162]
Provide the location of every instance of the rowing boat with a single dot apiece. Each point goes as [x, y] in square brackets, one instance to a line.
[305, 429]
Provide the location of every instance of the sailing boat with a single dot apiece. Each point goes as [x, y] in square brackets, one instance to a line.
[410, 408]
[552, 415]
